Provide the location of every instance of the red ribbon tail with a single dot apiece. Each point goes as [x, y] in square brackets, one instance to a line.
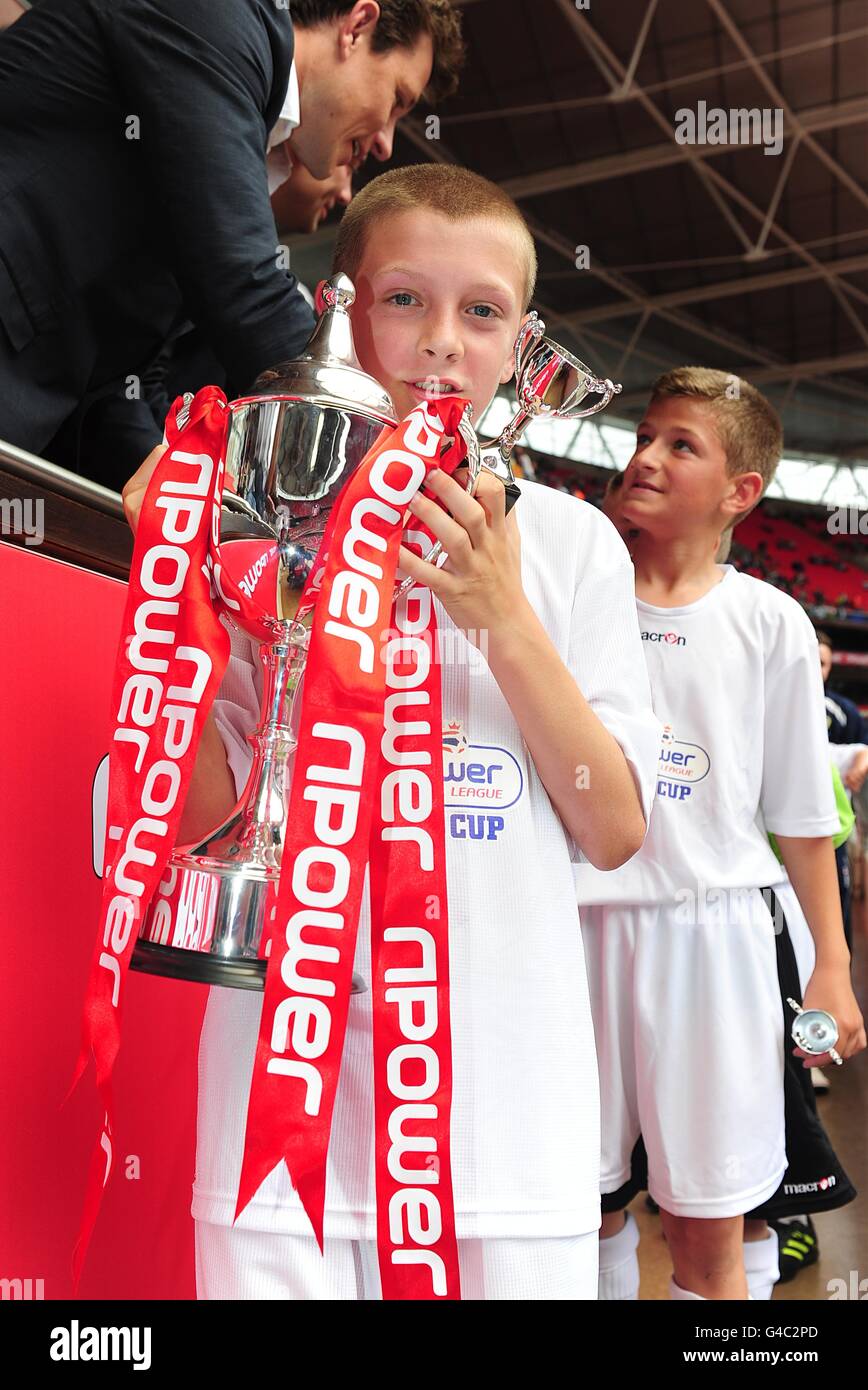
[310, 1188]
[79, 1070]
[254, 1170]
[99, 1172]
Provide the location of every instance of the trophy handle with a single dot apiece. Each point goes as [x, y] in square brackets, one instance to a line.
[528, 335]
[607, 388]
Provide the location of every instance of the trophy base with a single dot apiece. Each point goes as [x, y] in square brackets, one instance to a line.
[198, 966]
[201, 968]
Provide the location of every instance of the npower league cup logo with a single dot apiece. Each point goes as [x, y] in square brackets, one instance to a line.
[480, 782]
[681, 766]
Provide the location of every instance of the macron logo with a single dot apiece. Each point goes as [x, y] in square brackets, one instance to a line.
[672, 639]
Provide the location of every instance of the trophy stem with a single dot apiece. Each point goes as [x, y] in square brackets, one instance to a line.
[497, 454]
[260, 835]
[253, 837]
[507, 441]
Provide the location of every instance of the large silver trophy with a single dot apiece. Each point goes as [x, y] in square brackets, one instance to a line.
[291, 448]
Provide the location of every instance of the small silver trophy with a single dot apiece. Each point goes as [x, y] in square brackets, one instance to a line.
[550, 383]
[815, 1032]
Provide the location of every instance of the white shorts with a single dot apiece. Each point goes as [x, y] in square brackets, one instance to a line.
[239, 1264]
[690, 1041]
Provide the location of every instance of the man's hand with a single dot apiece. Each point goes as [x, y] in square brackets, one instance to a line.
[133, 494]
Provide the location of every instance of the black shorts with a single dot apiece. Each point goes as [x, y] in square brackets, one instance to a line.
[815, 1180]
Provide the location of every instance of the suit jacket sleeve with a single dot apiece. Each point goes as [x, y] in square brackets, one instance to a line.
[206, 80]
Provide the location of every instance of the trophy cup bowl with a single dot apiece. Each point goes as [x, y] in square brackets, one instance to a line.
[550, 383]
[291, 447]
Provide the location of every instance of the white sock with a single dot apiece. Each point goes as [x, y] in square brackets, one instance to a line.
[679, 1294]
[619, 1264]
[761, 1265]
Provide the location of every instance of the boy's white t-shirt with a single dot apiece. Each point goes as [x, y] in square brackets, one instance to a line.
[736, 681]
[525, 1113]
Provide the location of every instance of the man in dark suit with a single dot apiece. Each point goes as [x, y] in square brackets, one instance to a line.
[134, 193]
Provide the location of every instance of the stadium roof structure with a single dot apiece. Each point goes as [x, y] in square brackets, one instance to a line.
[696, 178]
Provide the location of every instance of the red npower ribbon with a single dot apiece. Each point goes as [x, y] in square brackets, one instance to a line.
[367, 791]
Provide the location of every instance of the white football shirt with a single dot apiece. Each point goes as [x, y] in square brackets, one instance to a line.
[525, 1114]
[736, 681]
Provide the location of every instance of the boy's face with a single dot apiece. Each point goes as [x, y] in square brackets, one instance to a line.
[677, 479]
[438, 307]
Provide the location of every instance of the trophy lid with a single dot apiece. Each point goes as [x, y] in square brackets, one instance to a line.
[328, 370]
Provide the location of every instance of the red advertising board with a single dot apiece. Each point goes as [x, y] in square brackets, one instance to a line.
[59, 628]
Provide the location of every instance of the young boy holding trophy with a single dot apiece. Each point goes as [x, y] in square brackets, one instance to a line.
[550, 749]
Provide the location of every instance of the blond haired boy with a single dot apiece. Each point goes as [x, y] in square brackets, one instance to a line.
[556, 714]
[679, 943]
